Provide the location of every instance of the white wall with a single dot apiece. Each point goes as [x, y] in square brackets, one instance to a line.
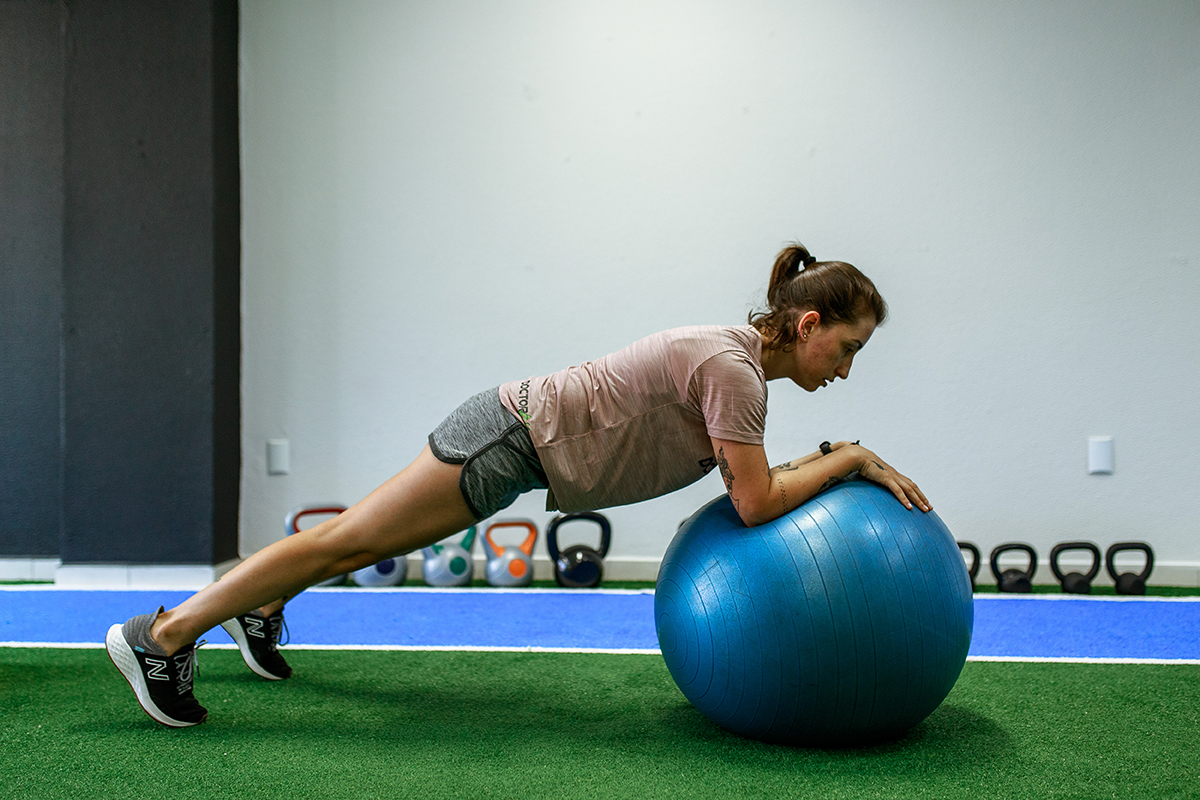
[442, 196]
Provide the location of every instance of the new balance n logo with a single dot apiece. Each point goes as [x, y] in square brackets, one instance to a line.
[254, 627]
[157, 669]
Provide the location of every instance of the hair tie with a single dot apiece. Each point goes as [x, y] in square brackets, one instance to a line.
[809, 260]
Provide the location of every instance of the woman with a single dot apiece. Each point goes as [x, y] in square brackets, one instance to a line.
[636, 424]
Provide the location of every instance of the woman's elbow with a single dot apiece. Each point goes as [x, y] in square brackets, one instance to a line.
[754, 514]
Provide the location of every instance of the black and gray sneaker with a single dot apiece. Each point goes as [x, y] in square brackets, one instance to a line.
[162, 683]
[257, 638]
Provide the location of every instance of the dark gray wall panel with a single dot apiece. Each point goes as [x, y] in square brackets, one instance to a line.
[140, 283]
[31, 199]
[227, 284]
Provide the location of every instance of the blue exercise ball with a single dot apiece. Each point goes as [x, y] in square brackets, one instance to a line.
[844, 622]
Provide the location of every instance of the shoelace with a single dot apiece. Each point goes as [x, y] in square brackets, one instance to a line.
[188, 669]
[277, 623]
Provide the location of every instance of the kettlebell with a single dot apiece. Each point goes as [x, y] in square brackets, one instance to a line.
[291, 524]
[510, 566]
[449, 564]
[1075, 582]
[579, 566]
[389, 572]
[973, 568]
[1014, 580]
[1129, 582]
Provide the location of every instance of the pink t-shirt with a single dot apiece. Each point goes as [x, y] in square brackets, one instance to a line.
[637, 423]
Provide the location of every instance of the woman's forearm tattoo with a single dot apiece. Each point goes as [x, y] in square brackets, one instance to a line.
[834, 480]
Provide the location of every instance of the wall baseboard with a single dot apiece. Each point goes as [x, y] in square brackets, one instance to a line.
[28, 569]
[139, 576]
[1165, 573]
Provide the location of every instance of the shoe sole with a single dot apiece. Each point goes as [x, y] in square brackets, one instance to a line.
[123, 659]
[234, 629]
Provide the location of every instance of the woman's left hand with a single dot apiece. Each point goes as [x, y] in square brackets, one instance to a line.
[875, 469]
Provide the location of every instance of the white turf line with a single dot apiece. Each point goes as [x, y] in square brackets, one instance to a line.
[46, 587]
[630, 651]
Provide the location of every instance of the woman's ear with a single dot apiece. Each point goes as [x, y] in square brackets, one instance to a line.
[807, 324]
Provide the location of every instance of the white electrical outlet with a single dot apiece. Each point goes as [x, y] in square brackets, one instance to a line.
[1100, 455]
[278, 457]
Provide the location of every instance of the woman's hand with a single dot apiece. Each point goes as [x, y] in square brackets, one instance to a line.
[874, 468]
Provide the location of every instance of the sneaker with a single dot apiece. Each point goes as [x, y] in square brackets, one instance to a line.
[162, 683]
[257, 638]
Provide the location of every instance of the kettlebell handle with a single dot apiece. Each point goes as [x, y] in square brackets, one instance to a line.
[593, 516]
[465, 544]
[525, 547]
[1062, 547]
[1120, 547]
[292, 523]
[972, 570]
[468, 541]
[1009, 546]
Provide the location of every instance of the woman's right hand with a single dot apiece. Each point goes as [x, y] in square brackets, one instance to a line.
[875, 469]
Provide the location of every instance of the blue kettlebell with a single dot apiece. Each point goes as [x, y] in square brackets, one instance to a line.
[291, 524]
[510, 566]
[449, 564]
[579, 566]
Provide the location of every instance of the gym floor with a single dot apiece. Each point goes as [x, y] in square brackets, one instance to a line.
[563, 693]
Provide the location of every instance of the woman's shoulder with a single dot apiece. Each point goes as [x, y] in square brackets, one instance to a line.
[723, 336]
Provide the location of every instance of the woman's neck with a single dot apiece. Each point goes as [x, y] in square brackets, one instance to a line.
[775, 363]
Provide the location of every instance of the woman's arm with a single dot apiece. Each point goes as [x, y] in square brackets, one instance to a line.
[761, 494]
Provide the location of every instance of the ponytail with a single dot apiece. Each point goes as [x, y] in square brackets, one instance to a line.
[799, 284]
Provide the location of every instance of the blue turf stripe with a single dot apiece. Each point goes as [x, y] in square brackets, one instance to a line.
[1004, 626]
[1086, 628]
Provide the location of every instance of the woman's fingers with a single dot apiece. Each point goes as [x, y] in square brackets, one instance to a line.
[907, 492]
[917, 498]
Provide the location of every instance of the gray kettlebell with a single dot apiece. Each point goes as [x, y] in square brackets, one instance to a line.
[449, 564]
[510, 566]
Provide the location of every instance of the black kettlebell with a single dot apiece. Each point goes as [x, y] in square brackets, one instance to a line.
[1129, 582]
[579, 566]
[1014, 580]
[973, 569]
[1075, 582]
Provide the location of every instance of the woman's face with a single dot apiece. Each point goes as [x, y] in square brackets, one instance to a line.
[826, 352]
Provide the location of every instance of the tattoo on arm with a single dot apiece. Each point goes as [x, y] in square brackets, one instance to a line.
[787, 466]
[783, 494]
[726, 474]
[881, 466]
[834, 480]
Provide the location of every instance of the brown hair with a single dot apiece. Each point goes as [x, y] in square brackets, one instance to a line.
[799, 283]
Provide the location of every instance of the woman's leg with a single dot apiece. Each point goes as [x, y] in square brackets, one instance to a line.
[419, 506]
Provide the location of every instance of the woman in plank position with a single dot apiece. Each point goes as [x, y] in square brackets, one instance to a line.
[639, 423]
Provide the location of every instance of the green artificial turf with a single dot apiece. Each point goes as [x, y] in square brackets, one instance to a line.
[515, 725]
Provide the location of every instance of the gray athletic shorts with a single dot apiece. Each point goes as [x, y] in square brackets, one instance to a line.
[499, 462]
